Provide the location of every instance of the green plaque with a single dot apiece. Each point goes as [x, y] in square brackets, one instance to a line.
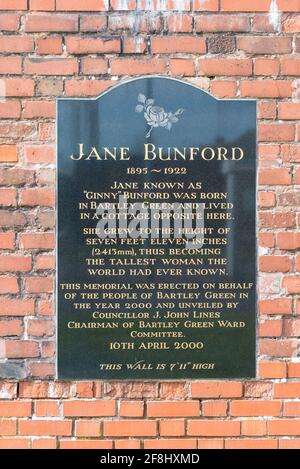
[156, 234]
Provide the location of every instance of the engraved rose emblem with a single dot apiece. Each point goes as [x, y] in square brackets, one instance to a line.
[156, 116]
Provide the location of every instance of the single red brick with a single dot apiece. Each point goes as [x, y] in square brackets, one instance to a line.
[223, 67]
[45, 308]
[34, 389]
[14, 443]
[172, 427]
[11, 65]
[270, 328]
[293, 370]
[267, 199]
[12, 219]
[292, 327]
[134, 45]
[224, 88]
[130, 428]
[45, 262]
[37, 240]
[173, 390]
[51, 66]
[255, 408]
[8, 197]
[266, 88]
[39, 284]
[49, 45]
[288, 240]
[10, 109]
[291, 153]
[85, 389]
[277, 219]
[176, 44]
[183, 67]
[21, 349]
[15, 408]
[11, 328]
[48, 349]
[88, 428]
[83, 408]
[82, 5]
[278, 348]
[44, 443]
[18, 87]
[16, 307]
[16, 44]
[34, 197]
[131, 408]
[8, 427]
[86, 87]
[47, 408]
[275, 264]
[291, 284]
[123, 6]
[49, 87]
[94, 66]
[207, 5]
[153, 5]
[171, 409]
[92, 45]
[86, 444]
[214, 443]
[211, 428]
[245, 6]
[221, 23]
[9, 22]
[170, 444]
[7, 240]
[254, 427]
[276, 306]
[8, 285]
[266, 67]
[127, 444]
[8, 153]
[41, 370]
[45, 427]
[291, 24]
[40, 327]
[10, 263]
[51, 23]
[289, 444]
[288, 111]
[180, 23]
[267, 110]
[214, 408]
[290, 67]
[276, 132]
[284, 427]
[39, 154]
[93, 23]
[266, 240]
[44, 5]
[137, 66]
[34, 109]
[251, 444]
[264, 45]
[268, 152]
[216, 389]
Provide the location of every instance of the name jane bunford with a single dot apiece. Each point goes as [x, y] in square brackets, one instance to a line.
[152, 152]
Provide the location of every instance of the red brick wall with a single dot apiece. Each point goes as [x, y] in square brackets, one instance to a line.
[231, 48]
